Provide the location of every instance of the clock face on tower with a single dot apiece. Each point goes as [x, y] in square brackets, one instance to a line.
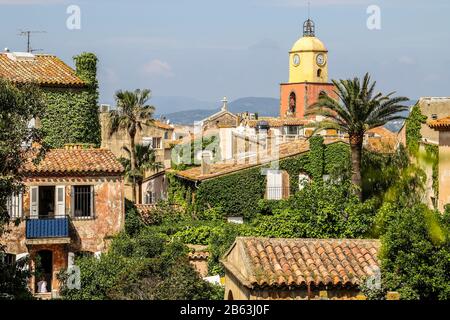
[296, 59]
[320, 59]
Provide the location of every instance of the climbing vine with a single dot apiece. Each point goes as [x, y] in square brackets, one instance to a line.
[432, 153]
[71, 115]
[241, 192]
[413, 126]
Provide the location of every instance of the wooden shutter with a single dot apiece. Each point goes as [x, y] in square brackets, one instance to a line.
[34, 202]
[60, 201]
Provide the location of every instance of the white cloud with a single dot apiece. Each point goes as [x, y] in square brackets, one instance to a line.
[158, 68]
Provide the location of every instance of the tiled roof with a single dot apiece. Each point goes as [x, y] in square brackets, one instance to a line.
[299, 262]
[285, 150]
[279, 122]
[75, 162]
[45, 70]
[198, 252]
[381, 140]
[163, 125]
[443, 123]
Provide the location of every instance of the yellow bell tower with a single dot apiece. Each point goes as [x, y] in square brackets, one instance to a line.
[308, 58]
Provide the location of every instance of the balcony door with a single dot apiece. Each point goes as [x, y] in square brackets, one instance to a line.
[46, 202]
[44, 271]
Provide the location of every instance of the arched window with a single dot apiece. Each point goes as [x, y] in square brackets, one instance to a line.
[319, 73]
[230, 295]
[292, 103]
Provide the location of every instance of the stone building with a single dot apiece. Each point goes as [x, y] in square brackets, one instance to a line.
[442, 128]
[66, 91]
[299, 269]
[160, 136]
[73, 202]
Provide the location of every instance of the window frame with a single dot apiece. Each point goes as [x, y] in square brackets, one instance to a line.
[91, 200]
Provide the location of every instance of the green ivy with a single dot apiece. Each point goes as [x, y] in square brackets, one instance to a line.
[413, 126]
[71, 115]
[432, 153]
[240, 193]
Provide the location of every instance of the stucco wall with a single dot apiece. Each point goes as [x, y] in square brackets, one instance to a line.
[86, 235]
[429, 106]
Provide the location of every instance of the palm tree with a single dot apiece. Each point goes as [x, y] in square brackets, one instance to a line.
[358, 110]
[132, 114]
[145, 160]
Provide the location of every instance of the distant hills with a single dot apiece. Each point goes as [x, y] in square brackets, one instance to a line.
[266, 107]
[189, 110]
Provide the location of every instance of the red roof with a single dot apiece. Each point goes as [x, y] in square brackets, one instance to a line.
[75, 162]
[301, 262]
[44, 70]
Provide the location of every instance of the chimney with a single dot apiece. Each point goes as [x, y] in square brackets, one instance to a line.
[206, 162]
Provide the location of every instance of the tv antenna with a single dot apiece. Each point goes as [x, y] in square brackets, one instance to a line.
[27, 33]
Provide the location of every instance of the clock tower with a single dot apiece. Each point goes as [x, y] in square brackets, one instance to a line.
[308, 74]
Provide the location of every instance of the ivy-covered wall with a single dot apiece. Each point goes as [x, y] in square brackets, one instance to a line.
[239, 193]
[71, 114]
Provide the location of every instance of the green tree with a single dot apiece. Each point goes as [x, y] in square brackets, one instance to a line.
[132, 114]
[18, 106]
[358, 110]
[145, 160]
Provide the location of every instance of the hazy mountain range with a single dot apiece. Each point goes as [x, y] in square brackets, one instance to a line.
[186, 110]
[268, 107]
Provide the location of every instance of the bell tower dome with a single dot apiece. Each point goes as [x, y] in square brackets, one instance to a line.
[308, 57]
[308, 74]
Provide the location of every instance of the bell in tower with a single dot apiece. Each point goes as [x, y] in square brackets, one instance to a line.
[309, 28]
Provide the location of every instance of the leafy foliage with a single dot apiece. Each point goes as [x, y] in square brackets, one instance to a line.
[358, 110]
[241, 192]
[319, 211]
[413, 125]
[144, 267]
[13, 280]
[131, 115]
[71, 115]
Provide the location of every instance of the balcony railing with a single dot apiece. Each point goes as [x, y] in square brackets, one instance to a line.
[48, 227]
[277, 193]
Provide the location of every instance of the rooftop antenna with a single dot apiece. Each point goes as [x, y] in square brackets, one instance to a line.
[28, 33]
[309, 10]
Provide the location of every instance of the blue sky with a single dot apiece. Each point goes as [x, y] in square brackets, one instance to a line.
[207, 49]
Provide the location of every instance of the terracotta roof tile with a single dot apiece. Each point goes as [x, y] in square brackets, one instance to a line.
[443, 123]
[75, 162]
[285, 150]
[45, 70]
[279, 122]
[381, 140]
[297, 262]
[198, 252]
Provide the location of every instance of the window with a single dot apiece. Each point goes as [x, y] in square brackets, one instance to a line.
[82, 201]
[153, 142]
[14, 205]
[166, 135]
[291, 130]
[303, 180]
[292, 103]
[434, 116]
[319, 73]
[277, 185]
[150, 197]
[8, 258]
